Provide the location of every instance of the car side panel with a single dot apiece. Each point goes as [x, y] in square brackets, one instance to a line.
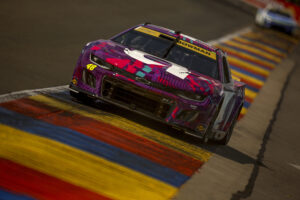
[233, 100]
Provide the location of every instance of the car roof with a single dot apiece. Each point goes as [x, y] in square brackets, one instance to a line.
[278, 8]
[182, 36]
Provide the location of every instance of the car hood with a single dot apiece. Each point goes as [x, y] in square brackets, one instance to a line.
[154, 69]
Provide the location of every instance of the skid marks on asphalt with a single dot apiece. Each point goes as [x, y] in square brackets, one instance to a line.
[52, 147]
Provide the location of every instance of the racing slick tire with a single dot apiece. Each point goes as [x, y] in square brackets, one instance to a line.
[211, 124]
[227, 137]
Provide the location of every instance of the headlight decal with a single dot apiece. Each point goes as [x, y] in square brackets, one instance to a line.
[101, 63]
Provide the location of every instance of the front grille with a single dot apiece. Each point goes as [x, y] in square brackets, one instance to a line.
[133, 97]
[187, 115]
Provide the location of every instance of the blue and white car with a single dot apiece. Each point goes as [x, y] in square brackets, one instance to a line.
[276, 17]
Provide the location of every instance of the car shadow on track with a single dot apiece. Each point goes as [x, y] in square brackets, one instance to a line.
[224, 151]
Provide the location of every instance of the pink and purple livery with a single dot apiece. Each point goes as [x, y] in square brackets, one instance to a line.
[164, 75]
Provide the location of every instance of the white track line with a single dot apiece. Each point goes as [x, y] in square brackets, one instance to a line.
[296, 166]
[25, 93]
[230, 35]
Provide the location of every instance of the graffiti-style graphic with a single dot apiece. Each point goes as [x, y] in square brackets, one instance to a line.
[160, 73]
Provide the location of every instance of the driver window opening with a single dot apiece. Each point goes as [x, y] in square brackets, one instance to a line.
[226, 72]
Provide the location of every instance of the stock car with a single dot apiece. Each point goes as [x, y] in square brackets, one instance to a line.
[164, 75]
[276, 17]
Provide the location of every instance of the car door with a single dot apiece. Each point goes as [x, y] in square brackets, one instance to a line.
[223, 120]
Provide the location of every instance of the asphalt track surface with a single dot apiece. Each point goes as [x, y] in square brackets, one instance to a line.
[47, 126]
[41, 40]
[280, 178]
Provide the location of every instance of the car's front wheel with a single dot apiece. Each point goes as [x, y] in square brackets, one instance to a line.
[209, 130]
[227, 137]
[79, 96]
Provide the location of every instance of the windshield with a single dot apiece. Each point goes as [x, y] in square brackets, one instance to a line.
[193, 61]
[165, 47]
[153, 45]
[280, 12]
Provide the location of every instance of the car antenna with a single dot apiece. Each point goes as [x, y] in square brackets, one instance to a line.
[218, 49]
[146, 23]
[178, 35]
[174, 43]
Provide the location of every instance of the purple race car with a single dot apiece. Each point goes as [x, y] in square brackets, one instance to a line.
[164, 75]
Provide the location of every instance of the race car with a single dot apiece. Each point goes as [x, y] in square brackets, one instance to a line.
[164, 75]
[276, 17]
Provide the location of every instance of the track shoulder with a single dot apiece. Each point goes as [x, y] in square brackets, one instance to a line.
[231, 166]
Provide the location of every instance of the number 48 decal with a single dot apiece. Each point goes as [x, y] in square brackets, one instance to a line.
[91, 67]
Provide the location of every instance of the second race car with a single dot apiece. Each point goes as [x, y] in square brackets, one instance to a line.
[277, 17]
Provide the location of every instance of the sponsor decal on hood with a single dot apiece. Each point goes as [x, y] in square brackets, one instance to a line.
[176, 70]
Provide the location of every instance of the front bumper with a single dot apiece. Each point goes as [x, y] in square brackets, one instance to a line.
[151, 102]
[136, 98]
[126, 90]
